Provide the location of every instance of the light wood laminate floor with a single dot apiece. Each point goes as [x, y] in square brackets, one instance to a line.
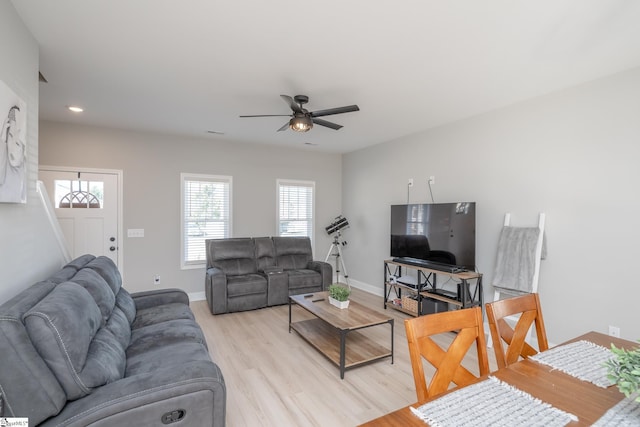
[275, 378]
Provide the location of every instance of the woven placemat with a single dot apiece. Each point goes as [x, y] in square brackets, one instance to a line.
[581, 359]
[624, 414]
[491, 403]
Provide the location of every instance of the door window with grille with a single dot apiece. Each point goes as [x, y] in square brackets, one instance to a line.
[78, 194]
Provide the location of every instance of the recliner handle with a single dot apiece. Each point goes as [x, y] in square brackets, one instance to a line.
[173, 416]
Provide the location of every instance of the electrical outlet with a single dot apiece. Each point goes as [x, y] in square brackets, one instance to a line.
[156, 279]
[432, 180]
[614, 331]
[410, 182]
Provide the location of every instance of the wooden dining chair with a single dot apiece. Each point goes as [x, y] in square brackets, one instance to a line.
[528, 307]
[420, 330]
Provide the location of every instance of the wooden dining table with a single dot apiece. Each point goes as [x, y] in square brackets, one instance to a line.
[581, 398]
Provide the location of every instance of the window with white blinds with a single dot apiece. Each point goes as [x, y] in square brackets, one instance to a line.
[295, 208]
[205, 214]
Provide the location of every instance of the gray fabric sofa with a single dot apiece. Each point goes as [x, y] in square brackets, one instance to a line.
[77, 349]
[250, 273]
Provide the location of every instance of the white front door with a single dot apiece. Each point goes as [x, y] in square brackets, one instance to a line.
[86, 205]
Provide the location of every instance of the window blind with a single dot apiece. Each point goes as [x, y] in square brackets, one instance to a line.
[206, 214]
[295, 208]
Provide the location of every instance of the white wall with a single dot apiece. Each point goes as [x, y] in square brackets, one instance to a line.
[152, 164]
[28, 249]
[572, 154]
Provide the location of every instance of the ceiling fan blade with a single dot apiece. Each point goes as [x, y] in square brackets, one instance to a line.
[326, 123]
[270, 115]
[284, 127]
[292, 104]
[339, 110]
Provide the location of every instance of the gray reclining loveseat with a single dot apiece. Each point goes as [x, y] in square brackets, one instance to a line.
[250, 273]
[77, 349]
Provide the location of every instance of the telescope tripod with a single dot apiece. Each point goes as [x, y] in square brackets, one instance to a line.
[336, 251]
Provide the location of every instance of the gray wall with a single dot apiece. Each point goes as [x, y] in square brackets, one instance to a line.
[572, 154]
[151, 165]
[28, 249]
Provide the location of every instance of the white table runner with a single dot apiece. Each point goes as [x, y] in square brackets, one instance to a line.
[582, 359]
[491, 403]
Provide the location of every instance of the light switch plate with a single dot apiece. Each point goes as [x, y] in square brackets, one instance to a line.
[135, 232]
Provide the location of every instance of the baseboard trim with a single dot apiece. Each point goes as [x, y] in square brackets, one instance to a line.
[375, 290]
[197, 296]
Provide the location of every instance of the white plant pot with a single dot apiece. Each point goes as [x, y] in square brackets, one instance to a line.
[339, 304]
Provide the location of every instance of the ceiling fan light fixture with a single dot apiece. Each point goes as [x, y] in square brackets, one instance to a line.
[301, 124]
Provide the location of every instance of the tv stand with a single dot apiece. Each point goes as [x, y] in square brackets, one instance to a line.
[465, 296]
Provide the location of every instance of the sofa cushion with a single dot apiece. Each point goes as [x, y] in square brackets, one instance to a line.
[79, 262]
[106, 268]
[162, 313]
[99, 290]
[233, 256]
[118, 325]
[292, 253]
[70, 269]
[106, 359]
[163, 334]
[27, 384]
[125, 302]
[265, 253]
[304, 279]
[246, 285]
[64, 327]
[165, 357]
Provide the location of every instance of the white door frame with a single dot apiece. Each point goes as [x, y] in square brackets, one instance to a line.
[117, 172]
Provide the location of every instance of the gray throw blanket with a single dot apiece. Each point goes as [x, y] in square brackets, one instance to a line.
[515, 261]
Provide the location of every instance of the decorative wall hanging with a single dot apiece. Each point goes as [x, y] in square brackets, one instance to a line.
[13, 147]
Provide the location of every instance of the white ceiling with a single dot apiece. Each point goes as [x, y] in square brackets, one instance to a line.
[189, 66]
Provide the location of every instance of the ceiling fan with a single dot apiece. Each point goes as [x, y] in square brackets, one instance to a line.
[302, 120]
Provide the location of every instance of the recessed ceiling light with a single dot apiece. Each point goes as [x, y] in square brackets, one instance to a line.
[75, 109]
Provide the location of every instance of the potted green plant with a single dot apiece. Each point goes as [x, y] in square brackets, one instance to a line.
[339, 296]
[624, 370]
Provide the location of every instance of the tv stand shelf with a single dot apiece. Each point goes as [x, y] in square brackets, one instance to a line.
[427, 287]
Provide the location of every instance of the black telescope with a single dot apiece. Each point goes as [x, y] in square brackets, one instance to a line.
[337, 225]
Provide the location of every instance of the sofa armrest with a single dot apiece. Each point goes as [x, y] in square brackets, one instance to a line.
[159, 297]
[215, 286]
[197, 388]
[325, 270]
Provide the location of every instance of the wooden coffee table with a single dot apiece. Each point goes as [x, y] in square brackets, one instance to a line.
[327, 332]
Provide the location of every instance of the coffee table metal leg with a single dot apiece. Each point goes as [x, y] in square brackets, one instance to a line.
[391, 323]
[289, 315]
[343, 339]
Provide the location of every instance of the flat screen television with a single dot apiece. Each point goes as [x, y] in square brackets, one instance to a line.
[440, 232]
